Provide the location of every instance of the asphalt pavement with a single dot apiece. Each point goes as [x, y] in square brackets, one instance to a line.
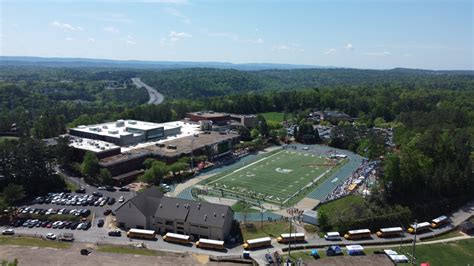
[155, 96]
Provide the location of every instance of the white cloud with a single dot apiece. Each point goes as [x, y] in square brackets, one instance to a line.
[282, 47]
[90, 39]
[65, 26]
[292, 47]
[235, 37]
[384, 53]
[164, 1]
[111, 29]
[330, 51]
[176, 13]
[176, 36]
[349, 46]
[407, 55]
[130, 40]
[69, 39]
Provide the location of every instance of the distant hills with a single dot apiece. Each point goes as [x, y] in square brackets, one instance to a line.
[136, 64]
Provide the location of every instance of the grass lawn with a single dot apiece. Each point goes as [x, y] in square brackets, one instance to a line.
[31, 241]
[351, 204]
[275, 178]
[451, 253]
[451, 234]
[275, 117]
[241, 207]
[273, 229]
[127, 250]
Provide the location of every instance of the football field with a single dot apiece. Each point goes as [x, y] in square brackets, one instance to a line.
[275, 178]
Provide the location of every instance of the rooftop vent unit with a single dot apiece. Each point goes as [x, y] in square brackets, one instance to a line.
[199, 206]
[132, 122]
[223, 215]
[113, 131]
[81, 126]
[205, 217]
[161, 206]
[214, 214]
[177, 205]
[120, 123]
[105, 127]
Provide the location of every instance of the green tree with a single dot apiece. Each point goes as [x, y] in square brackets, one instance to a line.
[177, 167]
[90, 165]
[105, 177]
[254, 133]
[13, 193]
[323, 220]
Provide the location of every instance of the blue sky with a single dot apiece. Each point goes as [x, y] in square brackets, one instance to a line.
[362, 34]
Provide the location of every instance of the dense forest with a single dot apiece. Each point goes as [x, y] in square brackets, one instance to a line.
[431, 113]
[204, 82]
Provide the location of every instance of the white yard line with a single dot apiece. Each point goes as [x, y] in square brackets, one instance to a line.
[248, 165]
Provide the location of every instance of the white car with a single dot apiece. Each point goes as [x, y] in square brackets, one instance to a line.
[121, 199]
[102, 188]
[8, 232]
[305, 148]
[51, 236]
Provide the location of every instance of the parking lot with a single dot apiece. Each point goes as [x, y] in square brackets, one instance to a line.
[56, 212]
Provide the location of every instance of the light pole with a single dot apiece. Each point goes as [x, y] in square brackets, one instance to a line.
[413, 259]
[192, 154]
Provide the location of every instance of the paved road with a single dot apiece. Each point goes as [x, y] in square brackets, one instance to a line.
[155, 96]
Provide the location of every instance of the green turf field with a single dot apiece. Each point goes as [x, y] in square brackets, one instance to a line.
[275, 178]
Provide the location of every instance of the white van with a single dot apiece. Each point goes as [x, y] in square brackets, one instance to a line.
[332, 236]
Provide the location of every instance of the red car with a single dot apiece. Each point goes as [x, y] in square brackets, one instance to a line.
[49, 225]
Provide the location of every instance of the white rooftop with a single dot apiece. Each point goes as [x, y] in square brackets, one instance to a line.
[91, 144]
[118, 128]
[187, 129]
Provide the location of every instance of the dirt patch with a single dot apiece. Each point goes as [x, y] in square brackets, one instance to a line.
[49, 256]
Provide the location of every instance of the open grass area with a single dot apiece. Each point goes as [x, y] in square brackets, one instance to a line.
[273, 229]
[242, 207]
[452, 253]
[275, 178]
[31, 241]
[276, 117]
[127, 250]
[459, 252]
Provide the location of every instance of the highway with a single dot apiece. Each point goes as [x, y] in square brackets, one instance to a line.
[155, 97]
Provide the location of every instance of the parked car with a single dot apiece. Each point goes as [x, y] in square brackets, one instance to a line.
[124, 189]
[51, 236]
[269, 258]
[100, 223]
[81, 190]
[102, 188]
[8, 232]
[107, 212]
[97, 194]
[121, 199]
[110, 188]
[111, 201]
[115, 233]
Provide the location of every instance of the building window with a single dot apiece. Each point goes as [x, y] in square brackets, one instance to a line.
[169, 223]
[180, 223]
[180, 228]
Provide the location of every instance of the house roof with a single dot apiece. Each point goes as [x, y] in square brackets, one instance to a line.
[146, 201]
[151, 202]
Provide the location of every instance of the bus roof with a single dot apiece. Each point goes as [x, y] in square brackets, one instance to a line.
[258, 240]
[292, 235]
[391, 229]
[211, 241]
[141, 231]
[333, 234]
[439, 219]
[359, 231]
[173, 235]
[420, 225]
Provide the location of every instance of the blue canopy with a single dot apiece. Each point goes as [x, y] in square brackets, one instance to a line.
[314, 252]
